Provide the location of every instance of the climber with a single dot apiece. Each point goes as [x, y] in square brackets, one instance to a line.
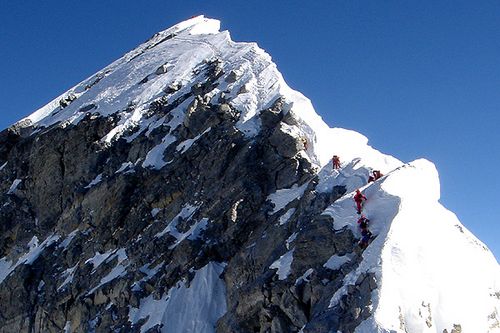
[336, 162]
[303, 139]
[376, 174]
[365, 238]
[358, 198]
[363, 222]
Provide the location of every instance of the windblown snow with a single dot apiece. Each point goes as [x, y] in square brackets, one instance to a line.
[186, 309]
[431, 273]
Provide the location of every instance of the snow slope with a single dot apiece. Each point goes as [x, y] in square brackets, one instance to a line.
[431, 272]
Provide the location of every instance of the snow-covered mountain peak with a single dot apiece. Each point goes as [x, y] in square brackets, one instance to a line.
[187, 187]
[172, 58]
[172, 64]
[195, 26]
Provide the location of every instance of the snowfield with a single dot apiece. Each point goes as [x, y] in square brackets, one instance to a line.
[431, 272]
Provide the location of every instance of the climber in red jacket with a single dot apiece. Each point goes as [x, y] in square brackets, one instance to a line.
[358, 198]
[336, 162]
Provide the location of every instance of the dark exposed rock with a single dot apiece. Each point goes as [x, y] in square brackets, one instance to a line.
[172, 88]
[108, 217]
[232, 77]
[67, 100]
[162, 69]
[58, 167]
[285, 144]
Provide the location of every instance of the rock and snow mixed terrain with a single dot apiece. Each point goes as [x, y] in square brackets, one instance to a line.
[187, 188]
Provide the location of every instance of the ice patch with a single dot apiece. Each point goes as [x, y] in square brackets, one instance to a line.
[150, 272]
[67, 327]
[96, 181]
[193, 233]
[33, 243]
[5, 270]
[155, 211]
[185, 145]
[35, 249]
[335, 261]
[41, 285]
[118, 271]
[67, 275]
[305, 276]
[154, 158]
[186, 213]
[283, 265]
[124, 167]
[98, 259]
[64, 244]
[290, 240]
[283, 197]
[14, 186]
[285, 217]
[208, 26]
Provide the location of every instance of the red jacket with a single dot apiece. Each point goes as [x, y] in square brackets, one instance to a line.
[358, 197]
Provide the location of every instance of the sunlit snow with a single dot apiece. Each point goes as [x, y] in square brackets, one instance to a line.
[282, 197]
[421, 255]
[186, 309]
[35, 250]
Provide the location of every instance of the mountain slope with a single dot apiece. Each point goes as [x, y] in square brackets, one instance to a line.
[187, 188]
[427, 265]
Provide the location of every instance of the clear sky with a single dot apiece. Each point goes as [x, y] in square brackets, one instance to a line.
[418, 78]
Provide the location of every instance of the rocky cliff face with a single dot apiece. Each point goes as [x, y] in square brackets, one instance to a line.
[186, 188]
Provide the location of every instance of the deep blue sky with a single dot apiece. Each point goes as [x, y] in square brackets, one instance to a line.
[419, 78]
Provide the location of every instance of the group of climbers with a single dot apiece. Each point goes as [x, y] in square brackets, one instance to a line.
[365, 232]
[376, 174]
[359, 199]
[363, 221]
